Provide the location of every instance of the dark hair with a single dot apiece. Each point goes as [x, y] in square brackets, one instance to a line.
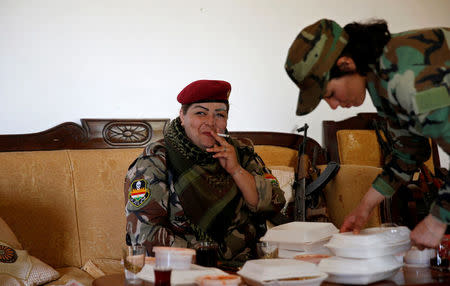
[185, 107]
[365, 45]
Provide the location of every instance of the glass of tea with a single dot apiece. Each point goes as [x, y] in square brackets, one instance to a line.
[267, 249]
[206, 253]
[162, 275]
[133, 262]
[442, 259]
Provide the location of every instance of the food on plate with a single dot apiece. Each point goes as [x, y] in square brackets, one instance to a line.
[218, 280]
[313, 258]
[299, 278]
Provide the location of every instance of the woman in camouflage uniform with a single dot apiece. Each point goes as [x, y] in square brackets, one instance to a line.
[407, 76]
[196, 185]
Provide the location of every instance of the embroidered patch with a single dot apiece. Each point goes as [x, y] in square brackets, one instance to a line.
[139, 193]
[7, 254]
[271, 178]
[431, 99]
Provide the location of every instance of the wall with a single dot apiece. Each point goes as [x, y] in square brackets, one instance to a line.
[62, 60]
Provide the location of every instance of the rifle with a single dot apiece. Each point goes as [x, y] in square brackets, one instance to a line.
[303, 165]
[305, 170]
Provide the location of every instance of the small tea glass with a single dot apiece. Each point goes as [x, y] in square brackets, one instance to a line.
[267, 249]
[133, 262]
[442, 260]
[206, 253]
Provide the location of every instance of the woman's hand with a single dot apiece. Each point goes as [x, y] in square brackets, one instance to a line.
[356, 220]
[227, 157]
[225, 153]
[428, 233]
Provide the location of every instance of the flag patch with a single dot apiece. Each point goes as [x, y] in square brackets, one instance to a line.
[271, 178]
[139, 193]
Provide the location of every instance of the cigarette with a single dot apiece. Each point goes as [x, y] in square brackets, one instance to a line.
[223, 135]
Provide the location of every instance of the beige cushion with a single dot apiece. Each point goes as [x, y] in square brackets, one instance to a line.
[276, 155]
[345, 191]
[26, 269]
[37, 200]
[7, 236]
[98, 181]
[72, 274]
[285, 177]
[360, 147]
[100, 267]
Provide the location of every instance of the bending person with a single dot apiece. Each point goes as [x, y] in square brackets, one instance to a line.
[407, 76]
[196, 185]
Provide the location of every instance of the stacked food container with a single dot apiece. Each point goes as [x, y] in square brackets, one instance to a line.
[296, 238]
[366, 257]
[281, 272]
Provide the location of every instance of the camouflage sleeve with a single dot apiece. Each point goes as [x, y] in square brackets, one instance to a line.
[418, 91]
[437, 126]
[410, 151]
[151, 220]
[271, 197]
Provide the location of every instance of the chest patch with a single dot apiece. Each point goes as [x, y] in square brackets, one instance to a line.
[139, 193]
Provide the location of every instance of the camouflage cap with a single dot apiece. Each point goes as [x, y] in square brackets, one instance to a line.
[310, 58]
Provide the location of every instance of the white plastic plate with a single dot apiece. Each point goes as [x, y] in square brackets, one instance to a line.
[263, 270]
[365, 252]
[360, 279]
[361, 267]
[180, 277]
[372, 236]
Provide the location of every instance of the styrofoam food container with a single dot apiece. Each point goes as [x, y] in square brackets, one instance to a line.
[304, 281]
[304, 246]
[359, 271]
[300, 232]
[373, 235]
[173, 257]
[261, 270]
[218, 280]
[370, 242]
[416, 257]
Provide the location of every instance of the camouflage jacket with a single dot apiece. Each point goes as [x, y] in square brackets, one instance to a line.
[410, 88]
[155, 216]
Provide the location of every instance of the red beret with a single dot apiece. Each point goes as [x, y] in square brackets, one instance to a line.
[205, 91]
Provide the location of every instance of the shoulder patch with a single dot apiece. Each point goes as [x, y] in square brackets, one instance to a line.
[431, 99]
[271, 178]
[139, 192]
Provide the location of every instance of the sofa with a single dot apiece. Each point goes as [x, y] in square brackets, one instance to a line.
[61, 191]
[62, 199]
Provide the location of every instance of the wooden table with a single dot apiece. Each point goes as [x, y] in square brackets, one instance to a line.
[406, 276]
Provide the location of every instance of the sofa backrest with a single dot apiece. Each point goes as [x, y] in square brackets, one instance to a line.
[38, 202]
[354, 141]
[65, 205]
[61, 190]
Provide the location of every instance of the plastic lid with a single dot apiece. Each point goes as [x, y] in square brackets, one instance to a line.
[272, 269]
[173, 250]
[371, 236]
[340, 265]
[300, 232]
